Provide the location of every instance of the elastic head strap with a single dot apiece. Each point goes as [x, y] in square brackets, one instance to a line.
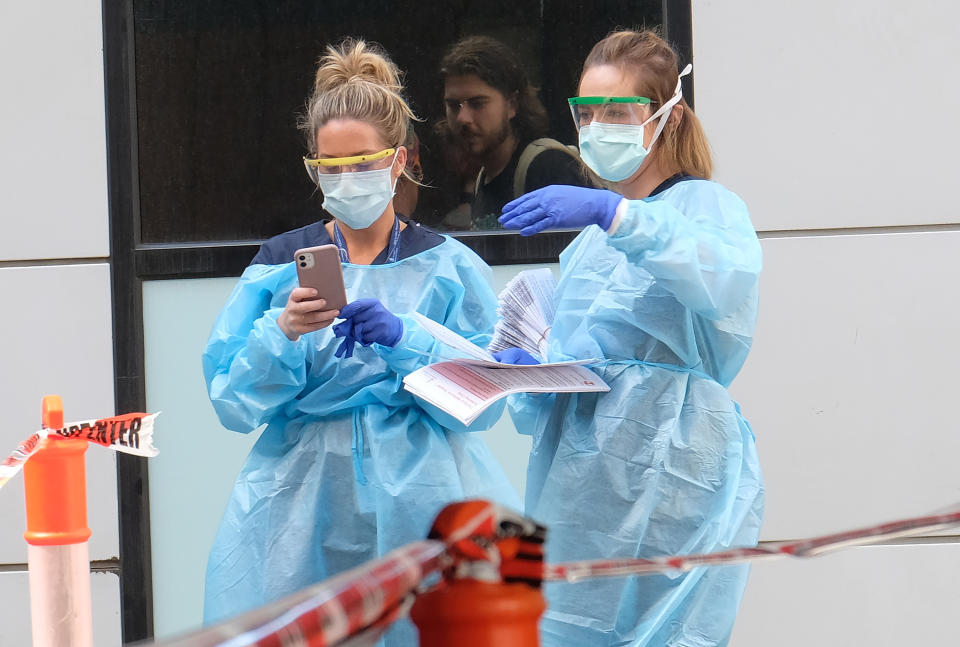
[668, 106]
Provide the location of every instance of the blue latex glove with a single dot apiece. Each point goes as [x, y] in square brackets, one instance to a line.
[515, 356]
[344, 329]
[560, 207]
[369, 322]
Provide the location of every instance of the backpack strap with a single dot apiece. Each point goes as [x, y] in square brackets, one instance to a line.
[478, 184]
[533, 149]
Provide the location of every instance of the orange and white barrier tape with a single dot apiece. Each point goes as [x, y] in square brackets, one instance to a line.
[809, 547]
[131, 433]
[361, 603]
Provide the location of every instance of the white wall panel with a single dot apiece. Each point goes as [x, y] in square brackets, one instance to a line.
[53, 152]
[830, 114]
[882, 596]
[57, 340]
[15, 610]
[185, 512]
[851, 385]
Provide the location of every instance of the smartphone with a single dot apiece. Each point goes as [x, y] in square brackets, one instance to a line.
[319, 268]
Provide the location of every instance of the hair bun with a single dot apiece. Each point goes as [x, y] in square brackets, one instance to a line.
[357, 80]
[356, 61]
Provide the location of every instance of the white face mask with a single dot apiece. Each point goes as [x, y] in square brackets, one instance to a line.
[358, 199]
[616, 151]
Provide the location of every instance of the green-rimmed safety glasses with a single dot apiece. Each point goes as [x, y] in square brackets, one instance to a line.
[354, 164]
[608, 110]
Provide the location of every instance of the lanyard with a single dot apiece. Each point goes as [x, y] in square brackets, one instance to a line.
[393, 250]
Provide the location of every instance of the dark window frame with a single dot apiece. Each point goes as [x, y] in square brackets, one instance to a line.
[132, 263]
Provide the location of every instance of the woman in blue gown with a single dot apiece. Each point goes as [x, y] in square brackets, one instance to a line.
[661, 285]
[349, 465]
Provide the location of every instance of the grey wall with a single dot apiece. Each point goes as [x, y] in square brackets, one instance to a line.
[54, 275]
[835, 122]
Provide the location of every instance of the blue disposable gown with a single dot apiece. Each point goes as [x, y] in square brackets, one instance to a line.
[664, 463]
[349, 466]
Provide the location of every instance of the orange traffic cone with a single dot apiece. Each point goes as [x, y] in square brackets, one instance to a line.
[57, 534]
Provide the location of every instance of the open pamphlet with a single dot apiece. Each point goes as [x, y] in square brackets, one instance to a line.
[465, 386]
[464, 390]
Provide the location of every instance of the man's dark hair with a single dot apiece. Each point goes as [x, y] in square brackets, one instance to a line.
[497, 66]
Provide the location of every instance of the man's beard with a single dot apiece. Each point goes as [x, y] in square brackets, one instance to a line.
[494, 140]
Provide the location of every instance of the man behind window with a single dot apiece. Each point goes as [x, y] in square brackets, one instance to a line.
[496, 120]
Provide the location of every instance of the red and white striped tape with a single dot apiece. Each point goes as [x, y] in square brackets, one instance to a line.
[131, 433]
[360, 603]
[356, 607]
[811, 547]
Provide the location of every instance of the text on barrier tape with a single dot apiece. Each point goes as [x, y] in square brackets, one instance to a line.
[131, 433]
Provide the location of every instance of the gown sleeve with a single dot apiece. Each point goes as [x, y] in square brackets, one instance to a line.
[704, 250]
[250, 366]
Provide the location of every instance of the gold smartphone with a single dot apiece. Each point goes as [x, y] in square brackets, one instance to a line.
[319, 268]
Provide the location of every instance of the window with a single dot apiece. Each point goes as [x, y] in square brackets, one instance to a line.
[220, 86]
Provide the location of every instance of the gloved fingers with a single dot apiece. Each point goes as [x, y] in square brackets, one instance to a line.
[538, 226]
[372, 332]
[521, 206]
[342, 329]
[345, 349]
[349, 310]
[374, 312]
[383, 332]
[518, 211]
[514, 355]
[360, 305]
[358, 332]
[524, 201]
[525, 219]
[533, 222]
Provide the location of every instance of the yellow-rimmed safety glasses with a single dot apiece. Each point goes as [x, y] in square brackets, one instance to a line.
[354, 164]
[609, 110]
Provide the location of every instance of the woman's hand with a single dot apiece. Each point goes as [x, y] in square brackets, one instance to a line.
[369, 322]
[560, 207]
[304, 313]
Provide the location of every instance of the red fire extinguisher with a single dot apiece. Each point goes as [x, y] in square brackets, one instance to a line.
[490, 596]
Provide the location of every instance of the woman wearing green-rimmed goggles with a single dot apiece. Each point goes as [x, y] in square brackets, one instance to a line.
[609, 110]
[660, 284]
[612, 131]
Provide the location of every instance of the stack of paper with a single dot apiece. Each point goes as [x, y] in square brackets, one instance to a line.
[526, 311]
[464, 387]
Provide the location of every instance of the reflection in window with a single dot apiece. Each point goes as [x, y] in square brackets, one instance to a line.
[220, 86]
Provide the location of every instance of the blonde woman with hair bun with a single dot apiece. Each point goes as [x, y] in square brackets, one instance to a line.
[661, 284]
[349, 466]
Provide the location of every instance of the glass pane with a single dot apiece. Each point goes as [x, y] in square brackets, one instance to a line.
[220, 86]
